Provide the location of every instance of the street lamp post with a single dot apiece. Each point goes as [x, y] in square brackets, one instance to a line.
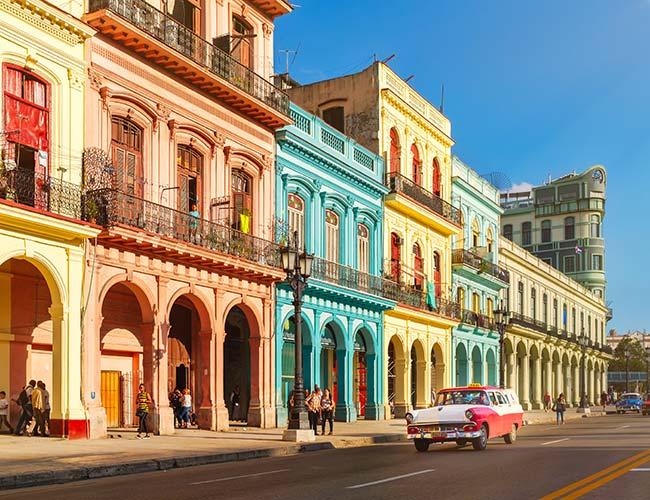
[501, 319]
[584, 403]
[297, 264]
[647, 369]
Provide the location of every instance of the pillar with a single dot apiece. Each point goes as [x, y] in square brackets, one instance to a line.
[537, 383]
[205, 412]
[558, 379]
[220, 337]
[401, 404]
[510, 371]
[524, 379]
[575, 396]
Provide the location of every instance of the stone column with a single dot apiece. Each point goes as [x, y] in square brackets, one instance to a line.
[575, 396]
[423, 394]
[537, 383]
[220, 337]
[548, 376]
[205, 411]
[525, 383]
[590, 386]
[402, 373]
[510, 371]
[558, 379]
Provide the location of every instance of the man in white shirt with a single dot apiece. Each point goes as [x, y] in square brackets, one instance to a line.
[4, 412]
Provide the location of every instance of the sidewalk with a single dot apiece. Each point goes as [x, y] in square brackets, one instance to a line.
[37, 461]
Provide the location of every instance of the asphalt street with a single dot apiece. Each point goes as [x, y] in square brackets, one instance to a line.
[604, 457]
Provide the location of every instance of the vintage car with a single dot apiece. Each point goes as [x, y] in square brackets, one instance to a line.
[474, 413]
[645, 409]
[629, 401]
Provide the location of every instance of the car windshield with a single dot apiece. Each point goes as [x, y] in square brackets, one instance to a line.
[462, 398]
[630, 396]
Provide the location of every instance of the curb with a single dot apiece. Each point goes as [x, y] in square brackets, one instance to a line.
[48, 477]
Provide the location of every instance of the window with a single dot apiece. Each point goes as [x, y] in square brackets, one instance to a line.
[589, 326]
[417, 165]
[460, 297]
[241, 45]
[242, 196]
[437, 188]
[520, 298]
[186, 12]
[507, 232]
[126, 150]
[546, 231]
[545, 309]
[296, 216]
[189, 165]
[418, 266]
[395, 152]
[594, 226]
[395, 256]
[569, 228]
[569, 264]
[332, 236]
[489, 305]
[597, 262]
[555, 313]
[476, 303]
[565, 317]
[476, 234]
[533, 303]
[437, 274]
[335, 117]
[526, 236]
[363, 248]
[490, 240]
[573, 320]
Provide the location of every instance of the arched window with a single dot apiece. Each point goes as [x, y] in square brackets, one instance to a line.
[242, 196]
[460, 297]
[489, 240]
[395, 152]
[363, 248]
[395, 256]
[533, 303]
[242, 42]
[520, 298]
[418, 266]
[126, 150]
[296, 216]
[595, 226]
[417, 165]
[476, 303]
[569, 228]
[437, 273]
[565, 317]
[573, 321]
[546, 231]
[526, 233]
[476, 234]
[545, 309]
[555, 311]
[189, 165]
[507, 231]
[437, 187]
[332, 233]
[489, 305]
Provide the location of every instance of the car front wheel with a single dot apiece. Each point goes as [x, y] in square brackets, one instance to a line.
[511, 437]
[480, 443]
[421, 444]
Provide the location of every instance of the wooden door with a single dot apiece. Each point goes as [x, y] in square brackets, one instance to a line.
[111, 395]
[362, 381]
[395, 256]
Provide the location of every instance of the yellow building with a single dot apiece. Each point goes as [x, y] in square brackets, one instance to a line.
[41, 233]
[385, 114]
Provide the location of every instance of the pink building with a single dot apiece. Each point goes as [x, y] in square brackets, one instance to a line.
[180, 117]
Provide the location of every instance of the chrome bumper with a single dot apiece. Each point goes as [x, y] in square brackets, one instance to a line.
[445, 435]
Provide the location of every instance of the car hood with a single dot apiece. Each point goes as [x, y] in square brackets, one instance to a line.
[450, 413]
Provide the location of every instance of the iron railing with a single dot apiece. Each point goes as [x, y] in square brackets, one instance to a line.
[37, 190]
[417, 297]
[183, 40]
[398, 183]
[527, 322]
[477, 319]
[109, 207]
[462, 256]
[346, 276]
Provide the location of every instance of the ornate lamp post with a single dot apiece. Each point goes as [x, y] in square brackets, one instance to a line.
[502, 319]
[584, 403]
[297, 264]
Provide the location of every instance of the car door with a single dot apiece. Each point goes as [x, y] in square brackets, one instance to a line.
[500, 411]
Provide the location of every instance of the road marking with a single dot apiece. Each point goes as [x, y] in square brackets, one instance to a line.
[641, 469]
[241, 477]
[556, 441]
[388, 479]
[596, 480]
[622, 427]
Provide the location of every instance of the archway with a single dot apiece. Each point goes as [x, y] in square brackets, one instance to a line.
[477, 366]
[328, 360]
[395, 377]
[237, 365]
[462, 367]
[491, 361]
[289, 357]
[364, 368]
[437, 369]
[418, 371]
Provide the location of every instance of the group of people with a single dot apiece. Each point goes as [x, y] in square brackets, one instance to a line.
[181, 403]
[34, 404]
[559, 405]
[320, 409]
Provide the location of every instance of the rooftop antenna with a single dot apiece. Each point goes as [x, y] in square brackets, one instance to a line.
[442, 98]
[286, 53]
[385, 61]
[406, 80]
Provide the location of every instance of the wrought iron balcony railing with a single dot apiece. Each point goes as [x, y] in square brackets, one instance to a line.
[183, 40]
[346, 276]
[40, 191]
[398, 183]
[417, 297]
[477, 319]
[462, 256]
[109, 207]
[525, 321]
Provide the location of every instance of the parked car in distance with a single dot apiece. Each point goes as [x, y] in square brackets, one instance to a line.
[629, 401]
[473, 414]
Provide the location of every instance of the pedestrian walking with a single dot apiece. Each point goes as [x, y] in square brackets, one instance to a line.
[24, 401]
[235, 402]
[47, 409]
[175, 402]
[327, 411]
[560, 408]
[4, 412]
[313, 409]
[186, 408]
[38, 407]
[142, 402]
[548, 402]
[603, 400]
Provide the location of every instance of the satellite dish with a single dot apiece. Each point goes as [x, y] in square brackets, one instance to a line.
[499, 180]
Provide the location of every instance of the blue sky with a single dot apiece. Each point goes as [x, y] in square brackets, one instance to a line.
[531, 88]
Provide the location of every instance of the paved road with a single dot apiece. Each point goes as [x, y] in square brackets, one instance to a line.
[606, 457]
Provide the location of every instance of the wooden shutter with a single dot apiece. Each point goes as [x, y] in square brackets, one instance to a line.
[436, 177]
[183, 193]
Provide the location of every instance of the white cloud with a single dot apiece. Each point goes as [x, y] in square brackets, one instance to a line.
[518, 188]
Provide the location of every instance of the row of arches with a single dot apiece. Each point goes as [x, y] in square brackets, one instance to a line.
[476, 367]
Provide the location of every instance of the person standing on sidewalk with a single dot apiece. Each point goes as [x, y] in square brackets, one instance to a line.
[560, 408]
[186, 408]
[603, 400]
[143, 401]
[327, 411]
[47, 409]
[38, 407]
[25, 402]
[4, 412]
[548, 402]
[313, 408]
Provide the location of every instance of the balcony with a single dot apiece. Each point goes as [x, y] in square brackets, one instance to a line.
[527, 322]
[159, 38]
[40, 192]
[465, 257]
[400, 184]
[477, 319]
[346, 276]
[163, 232]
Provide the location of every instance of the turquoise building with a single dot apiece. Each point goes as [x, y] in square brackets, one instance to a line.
[476, 278]
[329, 190]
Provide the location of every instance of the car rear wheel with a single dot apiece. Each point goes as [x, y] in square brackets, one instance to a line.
[421, 444]
[511, 437]
[480, 443]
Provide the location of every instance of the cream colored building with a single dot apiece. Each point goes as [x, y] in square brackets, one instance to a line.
[549, 313]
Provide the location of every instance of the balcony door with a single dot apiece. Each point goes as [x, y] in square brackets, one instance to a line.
[126, 151]
[296, 223]
[242, 198]
[242, 43]
[332, 236]
[395, 152]
[395, 256]
[418, 266]
[437, 275]
[436, 178]
[189, 165]
[363, 248]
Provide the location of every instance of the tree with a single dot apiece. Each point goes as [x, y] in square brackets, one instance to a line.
[636, 356]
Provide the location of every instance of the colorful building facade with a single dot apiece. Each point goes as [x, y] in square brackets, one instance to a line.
[42, 236]
[383, 113]
[180, 174]
[477, 278]
[329, 193]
